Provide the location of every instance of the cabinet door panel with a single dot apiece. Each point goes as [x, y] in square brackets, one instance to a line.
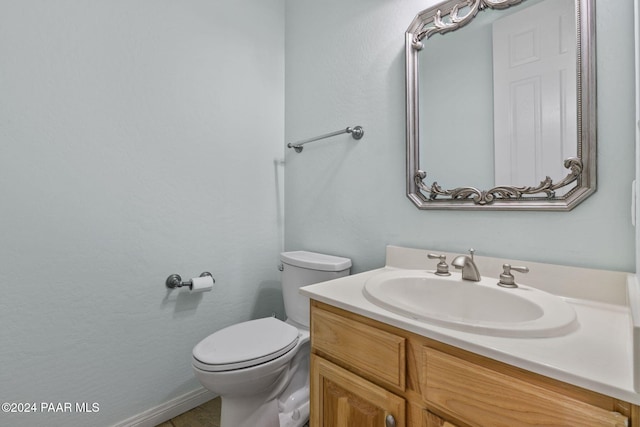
[342, 399]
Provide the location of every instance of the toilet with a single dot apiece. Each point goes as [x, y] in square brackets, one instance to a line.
[260, 368]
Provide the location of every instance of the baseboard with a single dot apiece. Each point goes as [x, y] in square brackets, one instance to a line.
[164, 412]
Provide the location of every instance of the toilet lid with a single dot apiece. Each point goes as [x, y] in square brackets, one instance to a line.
[245, 344]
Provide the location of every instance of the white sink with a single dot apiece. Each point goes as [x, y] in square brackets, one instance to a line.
[479, 307]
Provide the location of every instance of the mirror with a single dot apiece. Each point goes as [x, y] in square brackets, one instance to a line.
[501, 105]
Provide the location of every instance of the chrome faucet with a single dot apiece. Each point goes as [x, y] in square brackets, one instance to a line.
[468, 266]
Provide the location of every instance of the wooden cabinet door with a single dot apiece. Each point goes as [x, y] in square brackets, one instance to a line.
[340, 398]
[432, 420]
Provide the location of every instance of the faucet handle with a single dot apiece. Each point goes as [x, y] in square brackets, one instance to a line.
[442, 269]
[506, 278]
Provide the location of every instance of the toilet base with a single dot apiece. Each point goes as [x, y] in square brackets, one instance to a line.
[253, 412]
[299, 417]
[286, 404]
[249, 412]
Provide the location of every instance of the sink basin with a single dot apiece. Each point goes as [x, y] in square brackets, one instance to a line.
[478, 307]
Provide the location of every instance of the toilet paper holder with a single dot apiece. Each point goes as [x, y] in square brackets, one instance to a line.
[175, 281]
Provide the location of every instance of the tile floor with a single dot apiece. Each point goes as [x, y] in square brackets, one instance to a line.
[205, 415]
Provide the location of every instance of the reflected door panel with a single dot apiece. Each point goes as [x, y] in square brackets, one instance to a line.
[535, 116]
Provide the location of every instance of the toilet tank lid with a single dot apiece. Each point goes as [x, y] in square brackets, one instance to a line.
[315, 261]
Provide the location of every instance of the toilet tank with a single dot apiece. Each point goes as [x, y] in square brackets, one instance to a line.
[302, 268]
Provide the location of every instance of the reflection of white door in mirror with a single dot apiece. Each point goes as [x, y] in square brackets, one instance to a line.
[535, 105]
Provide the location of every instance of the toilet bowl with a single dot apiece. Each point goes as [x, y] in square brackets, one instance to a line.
[249, 365]
[260, 368]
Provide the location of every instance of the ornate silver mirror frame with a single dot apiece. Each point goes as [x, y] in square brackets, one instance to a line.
[451, 15]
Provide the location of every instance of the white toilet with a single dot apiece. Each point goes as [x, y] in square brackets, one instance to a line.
[260, 368]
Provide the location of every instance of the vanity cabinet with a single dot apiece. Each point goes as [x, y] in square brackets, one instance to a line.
[367, 373]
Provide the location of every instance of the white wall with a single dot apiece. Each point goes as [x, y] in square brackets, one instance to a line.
[345, 67]
[137, 139]
[636, 9]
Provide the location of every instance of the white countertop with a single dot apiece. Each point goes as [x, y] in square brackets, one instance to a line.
[597, 356]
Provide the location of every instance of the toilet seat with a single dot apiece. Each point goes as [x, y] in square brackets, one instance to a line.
[244, 345]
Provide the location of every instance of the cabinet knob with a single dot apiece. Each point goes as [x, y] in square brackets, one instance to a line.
[390, 421]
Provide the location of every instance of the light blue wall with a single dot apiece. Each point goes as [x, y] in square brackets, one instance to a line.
[345, 67]
[137, 139]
